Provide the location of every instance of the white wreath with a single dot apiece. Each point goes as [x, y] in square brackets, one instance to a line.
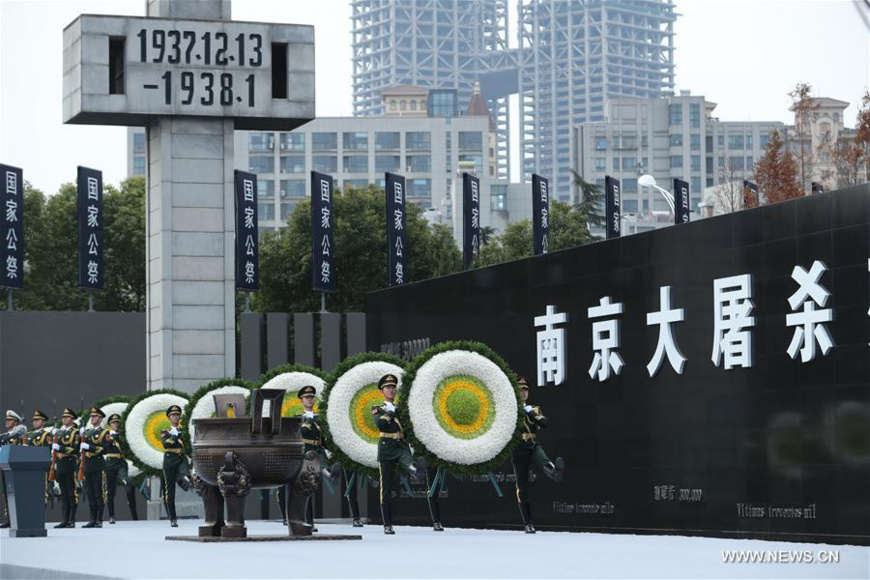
[205, 408]
[136, 422]
[119, 408]
[293, 381]
[433, 436]
[337, 411]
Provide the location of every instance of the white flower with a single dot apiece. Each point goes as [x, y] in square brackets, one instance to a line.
[205, 408]
[293, 381]
[339, 415]
[432, 435]
[134, 428]
[119, 408]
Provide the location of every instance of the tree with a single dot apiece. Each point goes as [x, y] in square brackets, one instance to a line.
[360, 259]
[51, 250]
[486, 234]
[568, 228]
[804, 107]
[862, 131]
[591, 200]
[776, 172]
[728, 193]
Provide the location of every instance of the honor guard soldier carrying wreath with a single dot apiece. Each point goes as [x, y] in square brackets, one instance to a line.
[116, 468]
[14, 435]
[94, 446]
[175, 467]
[392, 447]
[312, 437]
[65, 451]
[530, 453]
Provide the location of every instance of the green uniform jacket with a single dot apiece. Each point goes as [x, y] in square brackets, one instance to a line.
[312, 436]
[67, 457]
[389, 449]
[173, 459]
[39, 438]
[115, 453]
[532, 423]
[99, 445]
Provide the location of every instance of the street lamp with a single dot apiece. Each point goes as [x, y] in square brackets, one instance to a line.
[650, 181]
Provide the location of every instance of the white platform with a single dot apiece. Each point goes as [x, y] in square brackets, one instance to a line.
[138, 550]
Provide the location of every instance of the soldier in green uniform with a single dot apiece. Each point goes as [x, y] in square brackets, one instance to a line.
[392, 447]
[352, 495]
[312, 437]
[66, 450]
[13, 436]
[530, 453]
[175, 469]
[40, 437]
[116, 466]
[95, 444]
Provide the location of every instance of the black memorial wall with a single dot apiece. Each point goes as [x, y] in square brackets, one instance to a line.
[779, 449]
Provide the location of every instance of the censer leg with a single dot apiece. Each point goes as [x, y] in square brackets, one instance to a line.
[234, 481]
[213, 502]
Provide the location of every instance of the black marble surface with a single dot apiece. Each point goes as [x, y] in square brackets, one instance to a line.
[781, 449]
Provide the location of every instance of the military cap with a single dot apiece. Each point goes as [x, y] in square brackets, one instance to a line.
[388, 380]
[523, 384]
[67, 412]
[97, 412]
[173, 410]
[306, 390]
[39, 415]
[10, 414]
[114, 417]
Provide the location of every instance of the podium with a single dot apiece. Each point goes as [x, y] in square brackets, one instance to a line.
[24, 470]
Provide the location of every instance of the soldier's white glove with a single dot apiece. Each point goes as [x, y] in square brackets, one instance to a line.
[85, 446]
[113, 432]
[173, 431]
[389, 407]
[309, 414]
[55, 446]
[82, 431]
[528, 408]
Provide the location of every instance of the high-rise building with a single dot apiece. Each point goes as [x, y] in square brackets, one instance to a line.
[669, 137]
[572, 57]
[436, 44]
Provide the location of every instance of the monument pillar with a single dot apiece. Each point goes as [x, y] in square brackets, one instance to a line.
[190, 222]
[191, 268]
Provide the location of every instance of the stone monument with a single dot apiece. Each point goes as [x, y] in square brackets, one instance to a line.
[191, 76]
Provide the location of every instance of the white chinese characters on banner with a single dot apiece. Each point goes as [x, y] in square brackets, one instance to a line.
[605, 340]
[809, 323]
[732, 306]
[550, 345]
[664, 318]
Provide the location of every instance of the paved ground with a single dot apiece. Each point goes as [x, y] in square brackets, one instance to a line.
[133, 550]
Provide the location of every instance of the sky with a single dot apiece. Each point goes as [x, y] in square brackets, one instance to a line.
[744, 55]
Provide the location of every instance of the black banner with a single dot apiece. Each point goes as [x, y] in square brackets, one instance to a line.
[397, 237]
[470, 218]
[682, 203]
[323, 273]
[750, 194]
[247, 238]
[90, 213]
[12, 227]
[541, 213]
[612, 207]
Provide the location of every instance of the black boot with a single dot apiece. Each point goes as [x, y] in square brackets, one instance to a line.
[387, 516]
[435, 512]
[526, 513]
[64, 519]
[555, 471]
[72, 516]
[100, 517]
[184, 483]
